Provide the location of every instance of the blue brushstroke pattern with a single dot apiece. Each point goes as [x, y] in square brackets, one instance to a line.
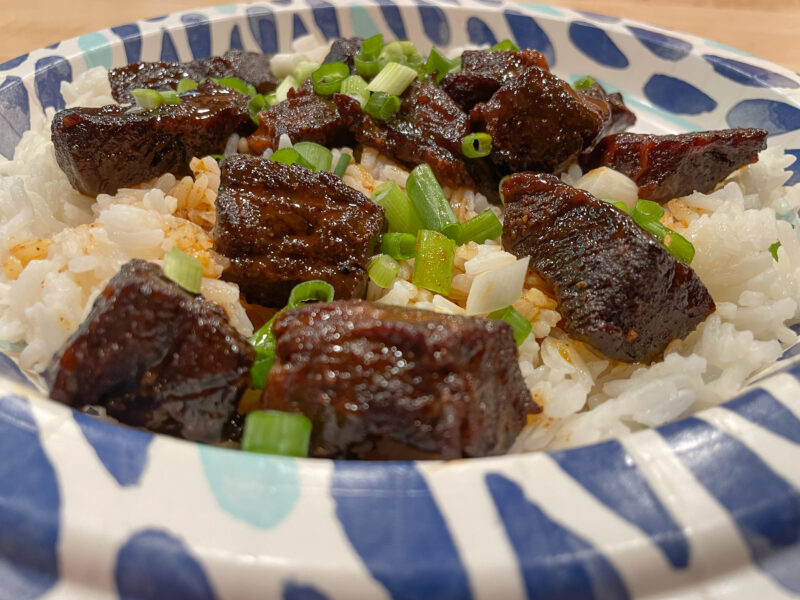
[236, 39]
[528, 34]
[599, 17]
[597, 45]
[155, 565]
[434, 22]
[764, 506]
[325, 17]
[14, 62]
[747, 74]
[299, 28]
[198, 33]
[131, 37]
[168, 51]
[795, 178]
[122, 451]
[555, 563]
[156, 19]
[296, 591]
[8, 368]
[393, 522]
[662, 45]
[677, 95]
[261, 21]
[607, 472]
[50, 72]
[762, 408]
[29, 506]
[774, 116]
[480, 33]
[393, 18]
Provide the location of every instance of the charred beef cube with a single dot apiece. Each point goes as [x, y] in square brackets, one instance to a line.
[428, 128]
[670, 166]
[250, 67]
[344, 50]
[389, 383]
[616, 116]
[537, 123]
[155, 356]
[483, 72]
[617, 287]
[280, 225]
[304, 117]
[103, 149]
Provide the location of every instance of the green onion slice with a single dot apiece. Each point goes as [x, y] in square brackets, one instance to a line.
[441, 65]
[506, 44]
[256, 105]
[313, 156]
[315, 290]
[186, 85]
[645, 211]
[147, 99]
[366, 66]
[341, 165]
[183, 269]
[287, 156]
[170, 97]
[680, 247]
[520, 326]
[403, 52]
[400, 212]
[282, 91]
[482, 227]
[276, 432]
[237, 84]
[355, 87]
[328, 78]
[400, 246]
[433, 265]
[430, 203]
[773, 249]
[618, 204]
[394, 78]
[382, 270]
[304, 69]
[476, 145]
[373, 45]
[583, 83]
[382, 106]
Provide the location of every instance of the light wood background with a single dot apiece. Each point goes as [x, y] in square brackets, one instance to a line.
[767, 28]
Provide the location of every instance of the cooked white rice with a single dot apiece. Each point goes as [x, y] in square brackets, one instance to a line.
[60, 249]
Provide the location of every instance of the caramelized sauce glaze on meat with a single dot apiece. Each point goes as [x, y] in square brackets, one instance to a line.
[671, 166]
[344, 50]
[381, 382]
[616, 116]
[155, 356]
[280, 225]
[104, 149]
[617, 287]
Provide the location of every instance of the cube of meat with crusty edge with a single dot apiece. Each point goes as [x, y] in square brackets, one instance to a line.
[670, 166]
[617, 287]
[382, 382]
[155, 356]
[103, 149]
[280, 225]
[250, 67]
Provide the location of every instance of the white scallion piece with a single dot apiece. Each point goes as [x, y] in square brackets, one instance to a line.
[608, 184]
[493, 290]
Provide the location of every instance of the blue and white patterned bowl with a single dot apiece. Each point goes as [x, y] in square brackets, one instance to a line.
[707, 507]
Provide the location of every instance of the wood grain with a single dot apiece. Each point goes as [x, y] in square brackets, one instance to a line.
[768, 31]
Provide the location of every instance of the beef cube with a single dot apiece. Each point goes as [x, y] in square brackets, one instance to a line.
[280, 225]
[155, 356]
[537, 123]
[616, 116]
[103, 149]
[304, 117]
[344, 50]
[483, 72]
[428, 128]
[618, 288]
[389, 383]
[250, 67]
[670, 166]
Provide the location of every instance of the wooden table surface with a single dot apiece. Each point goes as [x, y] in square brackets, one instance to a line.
[768, 31]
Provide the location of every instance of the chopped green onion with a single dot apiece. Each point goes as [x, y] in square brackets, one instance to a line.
[617, 203]
[773, 249]
[645, 211]
[341, 165]
[400, 212]
[382, 270]
[186, 85]
[355, 87]
[328, 78]
[506, 44]
[433, 264]
[438, 63]
[583, 83]
[400, 246]
[304, 69]
[500, 189]
[373, 45]
[183, 269]
[287, 156]
[482, 227]
[256, 105]
[282, 91]
[7, 346]
[430, 203]
[680, 247]
[313, 156]
[217, 157]
[237, 84]
[170, 97]
[394, 78]
[382, 106]
[147, 99]
[520, 326]
[276, 432]
[315, 290]
[476, 145]
[657, 228]
[366, 66]
[271, 99]
[403, 52]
